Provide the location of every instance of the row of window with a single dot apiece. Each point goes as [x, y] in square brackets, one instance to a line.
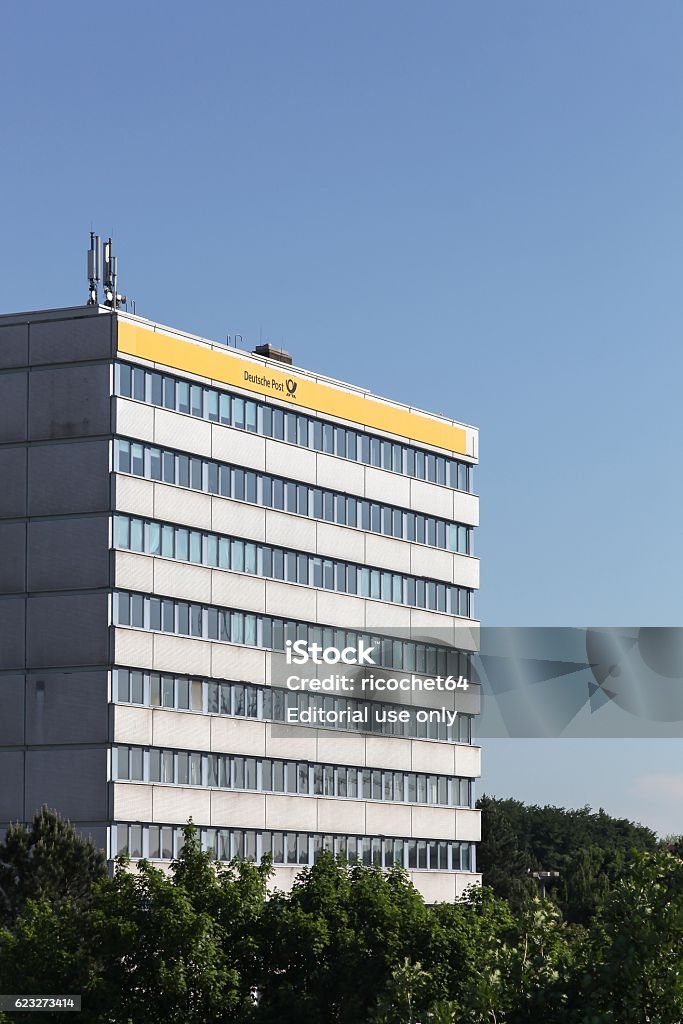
[220, 552]
[249, 700]
[164, 842]
[207, 622]
[306, 431]
[276, 492]
[272, 775]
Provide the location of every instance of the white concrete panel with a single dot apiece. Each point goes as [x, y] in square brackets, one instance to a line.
[337, 747]
[237, 590]
[181, 729]
[239, 810]
[468, 825]
[467, 634]
[433, 563]
[237, 736]
[388, 752]
[133, 495]
[132, 419]
[290, 600]
[187, 433]
[431, 499]
[181, 505]
[435, 623]
[340, 542]
[340, 475]
[466, 508]
[463, 881]
[179, 579]
[387, 553]
[178, 654]
[467, 760]
[237, 519]
[466, 571]
[387, 819]
[283, 878]
[289, 531]
[429, 756]
[133, 647]
[238, 447]
[132, 801]
[380, 616]
[390, 488]
[341, 816]
[133, 572]
[435, 886]
[132, 725]
[287, 460]
[175, 804]
[229, 661]
[291, 812]
[433, 822]
[290, 741]
[339, 610]
[469, 701]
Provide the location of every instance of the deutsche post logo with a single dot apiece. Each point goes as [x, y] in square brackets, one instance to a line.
[291, 386]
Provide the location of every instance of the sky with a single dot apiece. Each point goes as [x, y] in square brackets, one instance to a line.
[475, 208]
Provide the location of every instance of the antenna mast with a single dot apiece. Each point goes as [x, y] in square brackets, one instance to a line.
[99, 254]
[94, 268]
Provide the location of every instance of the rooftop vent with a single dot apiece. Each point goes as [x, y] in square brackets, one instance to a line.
[270, 352]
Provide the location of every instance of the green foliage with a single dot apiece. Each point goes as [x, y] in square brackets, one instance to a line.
[630, 965]
[673, 844]
[49, 860]
[207, 943]
[338, 923]
[589, 849]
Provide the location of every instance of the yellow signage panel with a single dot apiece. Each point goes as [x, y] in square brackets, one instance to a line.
[229, 368]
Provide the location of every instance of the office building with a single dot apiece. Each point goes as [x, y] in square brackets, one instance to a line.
[172, 511]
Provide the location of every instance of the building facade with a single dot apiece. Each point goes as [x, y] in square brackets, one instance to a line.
[173, 515]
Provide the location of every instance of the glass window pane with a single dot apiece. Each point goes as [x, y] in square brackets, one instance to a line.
[169, 393]
[122, 685]
[182, 693]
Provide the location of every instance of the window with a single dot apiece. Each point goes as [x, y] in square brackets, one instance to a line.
[287, 495]
[259, 417]
[264, 703]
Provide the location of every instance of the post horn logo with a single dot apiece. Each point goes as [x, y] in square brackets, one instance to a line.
[291, 386]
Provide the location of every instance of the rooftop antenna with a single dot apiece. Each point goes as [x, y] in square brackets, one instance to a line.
[111, 296]
[94, 268]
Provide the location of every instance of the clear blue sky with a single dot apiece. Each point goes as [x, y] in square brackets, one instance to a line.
[475, 207]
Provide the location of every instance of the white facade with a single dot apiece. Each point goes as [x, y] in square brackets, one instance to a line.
[191, 729]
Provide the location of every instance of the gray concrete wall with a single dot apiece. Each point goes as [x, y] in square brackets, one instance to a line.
[68, 401]
[67, 707]
[55, 420]
[72, 779]
[67, 554]
[68, 477]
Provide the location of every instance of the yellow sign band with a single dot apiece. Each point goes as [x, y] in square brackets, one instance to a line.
[300, 392]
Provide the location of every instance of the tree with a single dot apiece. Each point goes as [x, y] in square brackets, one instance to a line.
[673, 844]
[48, 951]
[404, 996]
[502, 856]
[631, 964]
[167, 943]
[48, 860]
[329, 946]
[147, 946]
[589, 850]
